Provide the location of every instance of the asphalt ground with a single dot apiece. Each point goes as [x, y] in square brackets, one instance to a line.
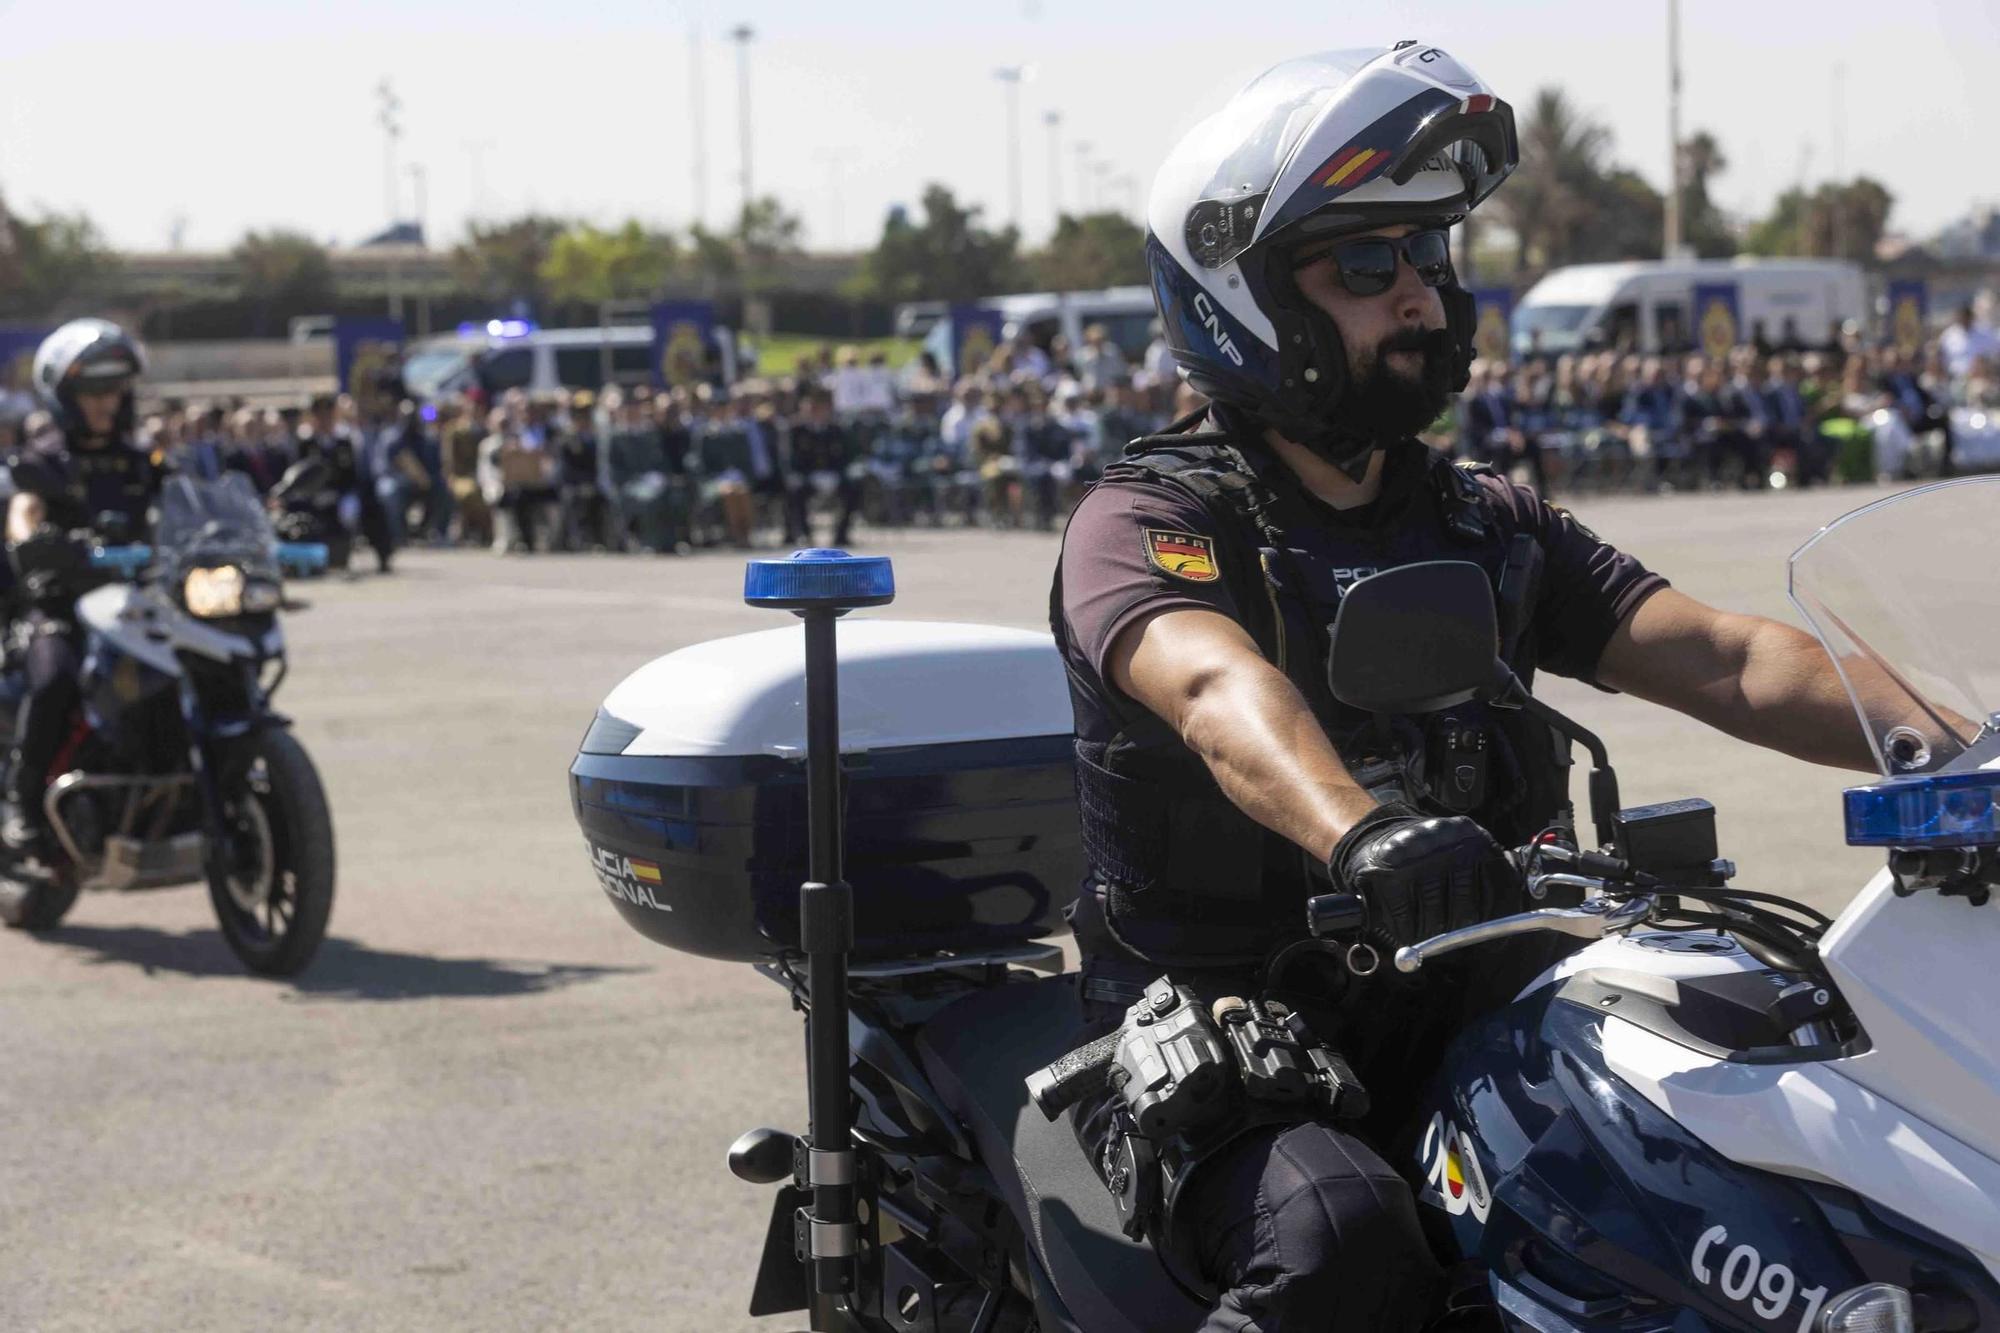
[490, 1105]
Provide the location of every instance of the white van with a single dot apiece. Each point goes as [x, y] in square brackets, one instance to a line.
[1648, 306]
[1126, 313]
[507, 354]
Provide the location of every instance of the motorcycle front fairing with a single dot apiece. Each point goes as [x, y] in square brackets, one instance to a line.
[1593, 1208]
[1614, 1167]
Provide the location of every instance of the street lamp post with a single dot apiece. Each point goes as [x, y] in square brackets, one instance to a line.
[1672, 230]
[835, 236]
[475, 160]
[741, 35]
[1128, 188]
[388, 105]
[1053, 119]
[1010, 77]
[418, 195]
[697, 126]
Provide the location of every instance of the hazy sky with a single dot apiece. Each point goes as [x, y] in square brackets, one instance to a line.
[231, 114]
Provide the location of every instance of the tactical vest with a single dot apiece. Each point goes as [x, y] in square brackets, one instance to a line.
[83, 485]
[1184, 878]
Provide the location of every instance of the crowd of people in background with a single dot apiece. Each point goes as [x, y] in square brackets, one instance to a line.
[1747, 419]
[798, 459]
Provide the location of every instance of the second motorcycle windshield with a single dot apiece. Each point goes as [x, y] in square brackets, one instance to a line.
[1902, 594]
[214, 521]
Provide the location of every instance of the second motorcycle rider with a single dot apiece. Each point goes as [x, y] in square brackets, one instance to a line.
[93, 483]
[1298, 247]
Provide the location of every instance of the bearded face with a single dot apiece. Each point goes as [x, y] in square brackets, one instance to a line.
[1399, 386]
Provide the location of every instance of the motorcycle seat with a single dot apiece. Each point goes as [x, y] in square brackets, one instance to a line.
[977, 1052]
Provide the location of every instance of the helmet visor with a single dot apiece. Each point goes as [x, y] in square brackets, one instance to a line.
[1478, 139]
[1451, 152]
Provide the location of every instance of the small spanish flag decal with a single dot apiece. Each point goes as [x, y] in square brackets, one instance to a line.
[645, 870]
[1182, 554]
[1351, 166]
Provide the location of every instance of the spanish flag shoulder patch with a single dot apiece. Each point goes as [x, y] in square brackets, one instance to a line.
[1182, 554]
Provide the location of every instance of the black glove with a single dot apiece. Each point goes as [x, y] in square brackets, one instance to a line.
[1422, 876]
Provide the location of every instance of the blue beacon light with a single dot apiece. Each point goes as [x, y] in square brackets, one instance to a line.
[819, 579]
[1926, 810]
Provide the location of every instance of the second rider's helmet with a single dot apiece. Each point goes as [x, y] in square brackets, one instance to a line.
[1339, 142]
[90, 355]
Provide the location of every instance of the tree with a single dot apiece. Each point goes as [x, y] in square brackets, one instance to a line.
[948, 256]
[502, 261]
[1702, 225]
[714, 256]
[1841, 221]
[283, 272]
[1551, 201]
[10, 254]
[588, 265]
[765, 234]
[1628, 221]
[49, 261]
[1095, 250]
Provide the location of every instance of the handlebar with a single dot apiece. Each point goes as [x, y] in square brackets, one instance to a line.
[1070, 1078]
[125, 560]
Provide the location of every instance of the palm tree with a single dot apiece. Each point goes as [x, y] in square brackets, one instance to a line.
[1702, 224]
[1548, 200]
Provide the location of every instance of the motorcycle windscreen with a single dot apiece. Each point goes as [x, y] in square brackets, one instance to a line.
[216, 522]
[1901, 594]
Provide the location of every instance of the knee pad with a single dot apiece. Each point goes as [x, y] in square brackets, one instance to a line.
[1307, 1226]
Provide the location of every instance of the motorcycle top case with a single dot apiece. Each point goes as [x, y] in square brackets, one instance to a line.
[959, 791]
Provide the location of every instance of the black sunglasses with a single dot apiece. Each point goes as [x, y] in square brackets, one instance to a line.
[1367, 265]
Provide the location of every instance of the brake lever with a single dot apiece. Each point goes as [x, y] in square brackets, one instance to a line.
[1592, 920]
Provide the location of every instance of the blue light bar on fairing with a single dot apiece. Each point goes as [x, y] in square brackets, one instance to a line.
[1926, 810]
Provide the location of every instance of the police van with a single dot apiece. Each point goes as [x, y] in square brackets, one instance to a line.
[514, 354]
[1648, 306]
[1126, 313]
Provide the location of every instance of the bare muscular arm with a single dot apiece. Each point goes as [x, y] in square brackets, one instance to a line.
[1753, 678]
[1200, 672]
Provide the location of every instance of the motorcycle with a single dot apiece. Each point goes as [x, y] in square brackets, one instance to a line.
[176, 769]
[309, 512]
[1721, 1110]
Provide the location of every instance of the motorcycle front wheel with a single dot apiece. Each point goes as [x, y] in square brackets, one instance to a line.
[274, 895]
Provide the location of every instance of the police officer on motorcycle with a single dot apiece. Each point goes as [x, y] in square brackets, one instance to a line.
[91, 483]
[1300, 257]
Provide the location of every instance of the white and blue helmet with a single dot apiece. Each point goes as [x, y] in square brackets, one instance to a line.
[1336, 142]
[87, 354]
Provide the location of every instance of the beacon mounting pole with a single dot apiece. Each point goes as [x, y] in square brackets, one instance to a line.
[820, 586]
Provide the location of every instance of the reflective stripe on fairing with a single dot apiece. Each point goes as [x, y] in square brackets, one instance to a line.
[1812, 1122]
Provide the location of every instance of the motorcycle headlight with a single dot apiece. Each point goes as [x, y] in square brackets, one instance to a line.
[224, 591]
[1876, 1308]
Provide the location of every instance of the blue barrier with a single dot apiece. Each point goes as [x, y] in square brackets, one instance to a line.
[302, 558]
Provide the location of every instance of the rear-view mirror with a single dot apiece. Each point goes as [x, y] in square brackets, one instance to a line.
[1416, 639]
